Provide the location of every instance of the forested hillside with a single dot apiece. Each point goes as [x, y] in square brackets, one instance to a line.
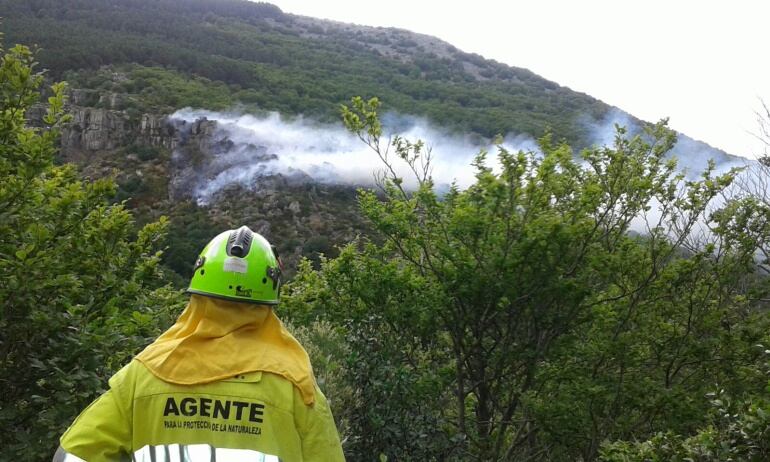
[131, 63]
[297, 65]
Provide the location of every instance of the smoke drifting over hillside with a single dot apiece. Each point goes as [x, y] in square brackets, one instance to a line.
[692, 159]
[254, 147]
[692, 156]
[248, 148]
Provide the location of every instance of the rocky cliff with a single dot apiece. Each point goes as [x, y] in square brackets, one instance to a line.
[191, 154]
[100, 124]
[161, 163]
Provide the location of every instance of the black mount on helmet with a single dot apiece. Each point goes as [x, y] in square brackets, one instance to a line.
[275, 275]
[239, 242]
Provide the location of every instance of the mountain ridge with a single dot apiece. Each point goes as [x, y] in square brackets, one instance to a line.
[266, 52]
[142, 61]
[258, 46]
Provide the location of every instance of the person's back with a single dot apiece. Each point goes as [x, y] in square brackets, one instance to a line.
[226, 382]
[242, 418]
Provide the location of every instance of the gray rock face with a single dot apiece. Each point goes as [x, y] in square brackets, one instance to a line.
[156, 130]
[35, 115]
[93, 129]
[204, 161]
[107, 127]
[193, 145]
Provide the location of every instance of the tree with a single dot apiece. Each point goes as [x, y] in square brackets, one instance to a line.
[79, 288]
[737, 430]
[754, 185]
[533, 322]
[736, 426]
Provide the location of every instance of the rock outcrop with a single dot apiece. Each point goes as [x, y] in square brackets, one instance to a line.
[156, 130]
[193, 159]
[100, 123]
[162, 165]
[94, 129]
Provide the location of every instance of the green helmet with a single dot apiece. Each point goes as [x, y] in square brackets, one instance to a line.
[238, 265]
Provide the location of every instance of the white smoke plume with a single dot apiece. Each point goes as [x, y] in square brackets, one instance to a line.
[692, 156]
[692, 160]
[250, 148]
[258, 146]
[602, 132]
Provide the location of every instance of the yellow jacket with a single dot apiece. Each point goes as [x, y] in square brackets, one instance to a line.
[250, 417]
[226, 382]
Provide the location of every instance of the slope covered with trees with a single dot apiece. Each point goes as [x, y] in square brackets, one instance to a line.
[520, 320]
[155, 57]
[296, 65]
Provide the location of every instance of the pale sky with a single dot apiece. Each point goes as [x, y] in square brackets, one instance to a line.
[703, 64]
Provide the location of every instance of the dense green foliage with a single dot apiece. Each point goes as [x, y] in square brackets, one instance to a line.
[736, 431]
[156, 90]
[79, 288]
[520, 320]
[285, 63]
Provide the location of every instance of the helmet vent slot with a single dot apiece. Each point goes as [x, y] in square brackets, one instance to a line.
[239, 242]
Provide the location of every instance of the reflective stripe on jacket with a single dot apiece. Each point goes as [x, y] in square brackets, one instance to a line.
[184, 453]
[251, 417]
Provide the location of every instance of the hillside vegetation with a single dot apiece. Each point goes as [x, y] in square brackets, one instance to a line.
[136, 58]
[296, 65]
